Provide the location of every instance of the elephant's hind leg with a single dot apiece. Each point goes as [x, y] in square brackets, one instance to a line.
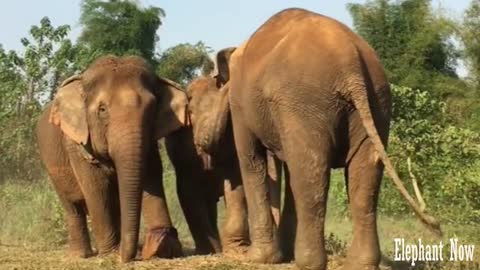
[308, 154]
[363, 176]
[288, 221]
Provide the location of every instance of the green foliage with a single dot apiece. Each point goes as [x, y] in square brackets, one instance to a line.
[30, 214]
[413, 43]
[184, 62]
[27, 81]
[444, 157]
[471, 38]
[445, 160]
[120, 28]
[416, 44]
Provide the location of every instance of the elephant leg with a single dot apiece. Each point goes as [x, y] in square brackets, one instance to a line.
[363, 176]
[76, 222]
[308, 162]
[235, 237]
[75, 214]
[161, 238]
[288, 221]
[197, 207]
[274, 185]
[212, 202]
[104, 224]
[97, 189]
[252, 159]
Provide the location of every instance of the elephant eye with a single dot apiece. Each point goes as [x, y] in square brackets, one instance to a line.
[102, 109]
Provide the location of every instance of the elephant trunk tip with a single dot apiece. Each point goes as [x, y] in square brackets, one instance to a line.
[128, 252]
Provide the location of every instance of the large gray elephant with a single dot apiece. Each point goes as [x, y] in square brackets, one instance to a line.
[98, 141]
[202, 179]
[310, 90]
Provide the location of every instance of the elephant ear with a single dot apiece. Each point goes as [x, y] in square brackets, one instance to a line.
[172, 105]
[69, 111]
[223, 61]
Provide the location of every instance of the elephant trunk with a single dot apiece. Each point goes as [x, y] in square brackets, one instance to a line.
[217, 127]
[130, 162]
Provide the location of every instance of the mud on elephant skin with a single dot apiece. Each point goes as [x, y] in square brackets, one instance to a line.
[202, 178]
[97, 140]
[310, 90]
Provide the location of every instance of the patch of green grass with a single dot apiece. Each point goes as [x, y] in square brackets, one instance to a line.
[32, 234]
[30, 213]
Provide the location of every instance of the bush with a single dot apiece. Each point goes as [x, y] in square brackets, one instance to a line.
[17, 141]
[444, 157]
[30, 214]
[446, 160]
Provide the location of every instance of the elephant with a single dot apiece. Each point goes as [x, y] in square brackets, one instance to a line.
[307, 88]
[201, 180]
[98, 142]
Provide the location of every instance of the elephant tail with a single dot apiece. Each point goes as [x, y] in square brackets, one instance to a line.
[360, 101]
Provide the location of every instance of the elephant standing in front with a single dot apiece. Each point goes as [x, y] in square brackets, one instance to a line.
[310, 90]
[98, 141]
[202, 179]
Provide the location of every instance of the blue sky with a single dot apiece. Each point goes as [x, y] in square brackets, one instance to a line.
[219, 23]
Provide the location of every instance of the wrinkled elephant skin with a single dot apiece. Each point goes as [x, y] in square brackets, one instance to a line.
[99, 147]
[314, 93]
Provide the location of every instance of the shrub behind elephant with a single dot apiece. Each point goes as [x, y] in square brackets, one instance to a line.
[98, 144]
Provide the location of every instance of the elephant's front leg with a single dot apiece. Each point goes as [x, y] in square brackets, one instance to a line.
[235, 237]
[161, 238]
[102, 206]
[76, 221]
[252, 159]
[199, 208]
[75, 214]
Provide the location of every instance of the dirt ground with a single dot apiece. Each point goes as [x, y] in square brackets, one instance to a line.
[21, 258]
[24, 258]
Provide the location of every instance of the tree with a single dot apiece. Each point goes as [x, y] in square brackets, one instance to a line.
[119, 27]
[184, 62]
[414, 45]
[27, 81]
[33, 75]
[471, 39]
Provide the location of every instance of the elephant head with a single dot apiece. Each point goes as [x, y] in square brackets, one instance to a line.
[117, 109]
[209, 107]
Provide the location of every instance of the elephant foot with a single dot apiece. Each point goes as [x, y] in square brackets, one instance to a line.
[81, 253]
[235, 252]
[162, 243]
[266, 254]
[235, 247]
[212, 247]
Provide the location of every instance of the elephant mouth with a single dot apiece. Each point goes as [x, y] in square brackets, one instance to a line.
[205, 157]
[207, 161]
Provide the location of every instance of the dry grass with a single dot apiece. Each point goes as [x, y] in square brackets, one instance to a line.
[32, 236]
[55, 257]
[31, 258]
